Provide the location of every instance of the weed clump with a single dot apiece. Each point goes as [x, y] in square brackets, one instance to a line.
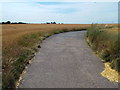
[105, 43]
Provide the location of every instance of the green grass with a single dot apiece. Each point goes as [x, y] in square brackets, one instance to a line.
[105, 44]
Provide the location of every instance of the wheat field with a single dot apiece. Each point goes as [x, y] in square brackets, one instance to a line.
[12, 32]
[19, 42]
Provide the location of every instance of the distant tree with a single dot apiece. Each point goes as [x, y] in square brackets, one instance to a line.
[47, 23]
[14, 23]
[8, 22]
[21, 23]
[54, 22]
[3, 22]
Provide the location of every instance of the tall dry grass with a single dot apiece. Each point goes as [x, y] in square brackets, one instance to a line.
[19, 46]
[105, 41]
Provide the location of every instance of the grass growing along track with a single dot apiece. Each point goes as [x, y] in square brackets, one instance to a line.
[19, 46]
[20, 42]
[105, 41]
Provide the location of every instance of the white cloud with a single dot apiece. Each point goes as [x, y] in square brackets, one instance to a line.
[59, 0]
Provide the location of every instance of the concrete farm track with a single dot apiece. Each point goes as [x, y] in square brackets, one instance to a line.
[65, 61]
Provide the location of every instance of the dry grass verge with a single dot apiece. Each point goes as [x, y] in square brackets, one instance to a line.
[20, 42]
[105, 41]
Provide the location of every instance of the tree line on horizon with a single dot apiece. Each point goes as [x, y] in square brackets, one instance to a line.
[9, 22]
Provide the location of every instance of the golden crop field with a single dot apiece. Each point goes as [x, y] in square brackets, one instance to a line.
[12, 32]
[19, 42]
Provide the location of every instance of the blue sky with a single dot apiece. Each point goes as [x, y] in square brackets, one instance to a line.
[63, 12]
